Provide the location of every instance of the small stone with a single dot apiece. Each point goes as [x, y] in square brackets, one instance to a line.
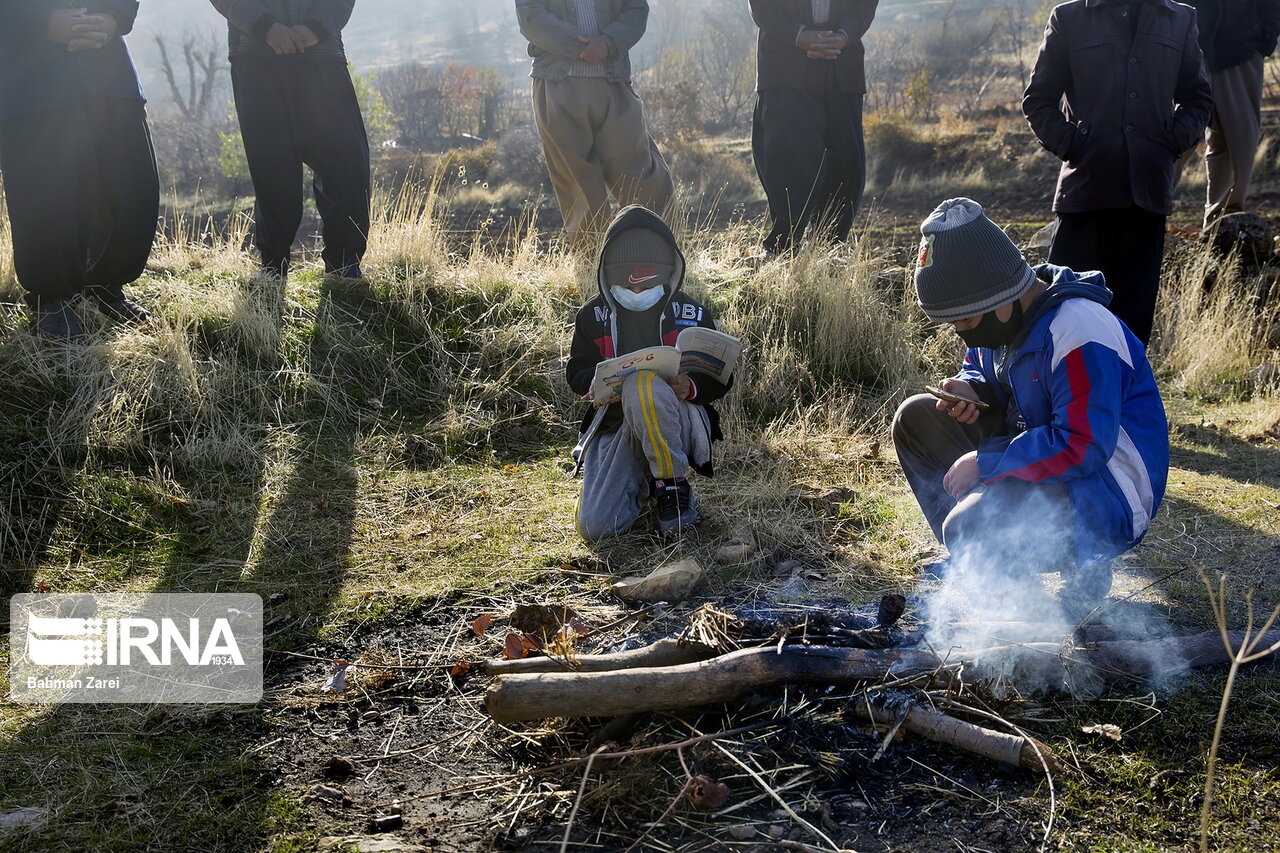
[742, 832]
[324, 792]
[740, 547]
[1265, 374]
[20, 817]
[671, 583]
[781, 814]
[777, 833]
[369, 716]
[277, 597]
[338, 767]
[786, 567]
[386, 823]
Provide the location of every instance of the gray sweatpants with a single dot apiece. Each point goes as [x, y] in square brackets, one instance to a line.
[1010, 524]
[659, 436]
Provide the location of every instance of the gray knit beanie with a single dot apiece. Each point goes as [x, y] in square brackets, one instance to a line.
[638, 256]
[967, 265]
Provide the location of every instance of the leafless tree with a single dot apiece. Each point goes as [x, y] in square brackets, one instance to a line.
[203, 61]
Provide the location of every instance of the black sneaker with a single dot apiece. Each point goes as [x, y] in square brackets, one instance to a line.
[55, 320]
[677, 509]
[112, 302]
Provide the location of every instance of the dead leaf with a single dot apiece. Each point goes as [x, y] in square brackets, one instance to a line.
[579, 627]
[460, 670]
[338, 680]
[515, 647]
[43, 587]
[1107, 730]
[481, 624]
[706, 793]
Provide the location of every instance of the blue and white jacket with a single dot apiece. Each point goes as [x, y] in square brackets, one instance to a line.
[1082, 409]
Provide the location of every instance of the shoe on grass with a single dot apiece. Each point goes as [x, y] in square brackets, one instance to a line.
[55, 320]
[117, 307]
[677, 508]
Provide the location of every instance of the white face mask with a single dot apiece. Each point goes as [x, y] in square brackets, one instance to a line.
[642, 301]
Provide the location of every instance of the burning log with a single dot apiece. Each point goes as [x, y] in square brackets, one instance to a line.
[1014, 750]
[661, 653]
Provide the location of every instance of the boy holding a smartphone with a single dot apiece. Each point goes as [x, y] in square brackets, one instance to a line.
[1066, 467]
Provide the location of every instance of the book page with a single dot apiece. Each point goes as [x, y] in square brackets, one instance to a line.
[610, 374]
[708, 351]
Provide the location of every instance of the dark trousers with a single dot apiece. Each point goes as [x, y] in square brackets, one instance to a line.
[294, 113]
[83, 196]
[810, 157]
[1009, 524]
[1127, 246]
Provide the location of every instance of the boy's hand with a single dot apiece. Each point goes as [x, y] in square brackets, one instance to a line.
[92, 32]
[965, 413]
[283, 40]
[682, 385]
[305, 36]
[963, 476]
[596, 50]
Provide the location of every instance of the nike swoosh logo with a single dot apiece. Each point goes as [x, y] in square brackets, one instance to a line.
[642, 279]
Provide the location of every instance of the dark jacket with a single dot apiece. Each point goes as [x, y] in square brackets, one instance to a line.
[551, 26]
[249, 20]
[1232, 31]
[1132, 105]
[37, 74]
[595, 333]
[782, 65]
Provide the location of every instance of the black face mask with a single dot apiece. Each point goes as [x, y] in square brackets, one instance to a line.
[990, 333]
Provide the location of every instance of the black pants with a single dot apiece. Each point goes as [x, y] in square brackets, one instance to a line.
[1127, 246]
[83, 196]
[810, 157]
[293, 113]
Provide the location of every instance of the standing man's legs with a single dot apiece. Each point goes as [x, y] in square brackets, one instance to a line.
[48, 164]
[333, 142]
[1233, 136]
[266, 93]
[789, 145]
[129, 206]
[1128, 247]
[633, 166]
[564, 112]
[847, 155]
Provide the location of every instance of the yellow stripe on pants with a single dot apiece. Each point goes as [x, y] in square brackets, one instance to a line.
[660, 449]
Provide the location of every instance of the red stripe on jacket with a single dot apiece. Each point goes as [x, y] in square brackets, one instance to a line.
[1077, 422]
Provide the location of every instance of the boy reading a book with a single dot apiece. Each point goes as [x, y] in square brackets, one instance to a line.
[641, 441]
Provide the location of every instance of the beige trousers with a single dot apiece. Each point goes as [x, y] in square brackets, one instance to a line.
[1233, 135]
[595, 141]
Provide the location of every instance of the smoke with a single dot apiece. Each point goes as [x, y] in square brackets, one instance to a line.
[997, 605]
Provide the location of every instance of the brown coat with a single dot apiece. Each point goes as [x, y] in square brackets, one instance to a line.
[782, 65]
[1133, 105]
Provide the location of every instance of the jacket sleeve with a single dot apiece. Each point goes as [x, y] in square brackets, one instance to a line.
[1086, 391]
[326, 18]
[1269, 20]
[1041, 103]
[628, 28]
[244, 15]
[778, 20]
[28, 17]
[547, 31]
[971, 371]
[584, 355]
[858, 20]
[124, 11]
[1193, 96]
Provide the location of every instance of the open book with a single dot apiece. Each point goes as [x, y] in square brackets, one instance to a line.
[697, 349]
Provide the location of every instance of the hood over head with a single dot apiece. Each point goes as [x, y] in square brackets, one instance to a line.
[639, 248]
